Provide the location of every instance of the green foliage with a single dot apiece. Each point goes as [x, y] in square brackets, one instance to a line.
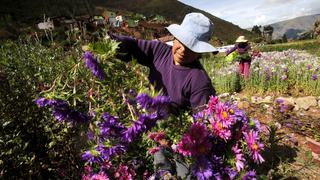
[31, 142]
[224, 75]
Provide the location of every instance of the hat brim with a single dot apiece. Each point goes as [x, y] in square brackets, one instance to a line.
[239, 41]
[189, 40]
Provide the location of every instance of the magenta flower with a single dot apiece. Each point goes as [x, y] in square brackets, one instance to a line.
[124, 173]
[254, 145]
[160, 136]
[212, 103]
[222, 120]
[195, 142]
[100, 176]
[239, 158]
[154, 150]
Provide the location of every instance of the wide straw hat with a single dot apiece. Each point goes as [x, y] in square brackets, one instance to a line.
[241, 39]
[194, 32]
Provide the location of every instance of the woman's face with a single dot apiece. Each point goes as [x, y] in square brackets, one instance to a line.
[183, 55]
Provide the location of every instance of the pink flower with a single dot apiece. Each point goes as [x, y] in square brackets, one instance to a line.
[124, 173]
[154, 150]
[196, 141]
[100, 176]
[152, 135]
[220, 131]
[254, 145]
[222, 120]
[212, 103]
[239, 158]
[161, 135]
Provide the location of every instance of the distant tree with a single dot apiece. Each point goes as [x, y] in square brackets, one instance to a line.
[284, 38]
[267, 32]
[316, 30]
[256, 29]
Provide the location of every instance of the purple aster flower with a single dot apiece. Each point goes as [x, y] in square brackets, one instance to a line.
[231, 173]
[199, 117]
[60, 114]
[90, 135]
[251, 175]
[106, 153]
[255, 125]
[314, 77]
[131, 97]
[61, 110]
[279, 101]
[283, 107]
[77, 117]
[143, 124]
[110, 127]
[90, 156]
[268, 76]
[144, 100]
[202, 169]
[309, 67]
[42, 102]
[57, 103]
[94, 66]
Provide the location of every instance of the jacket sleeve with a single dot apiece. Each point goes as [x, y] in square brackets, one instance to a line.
[142, 50]
[201, 91]
[230, 50]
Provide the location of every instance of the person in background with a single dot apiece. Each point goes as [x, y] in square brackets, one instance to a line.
[240, 52]
[175, 69]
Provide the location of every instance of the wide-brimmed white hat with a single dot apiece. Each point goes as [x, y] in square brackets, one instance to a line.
[241, 39]
[194, 32]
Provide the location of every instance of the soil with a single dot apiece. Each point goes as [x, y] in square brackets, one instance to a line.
[292, 156]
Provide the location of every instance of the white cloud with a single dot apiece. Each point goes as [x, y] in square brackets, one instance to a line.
[260, 19]
[247, 13]
[279, 1]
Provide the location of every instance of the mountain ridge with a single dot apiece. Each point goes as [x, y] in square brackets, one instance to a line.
[173, 11]
[293, 27]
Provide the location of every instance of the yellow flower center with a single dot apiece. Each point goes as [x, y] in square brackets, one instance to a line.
[224, 114]
[231, 111]
[255, 146]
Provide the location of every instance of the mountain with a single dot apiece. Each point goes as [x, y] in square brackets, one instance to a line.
[293, 27]
[172, 10]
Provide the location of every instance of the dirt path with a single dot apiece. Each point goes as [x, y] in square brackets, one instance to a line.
[292, 157]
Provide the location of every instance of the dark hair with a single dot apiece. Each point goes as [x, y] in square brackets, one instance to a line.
[243, 44]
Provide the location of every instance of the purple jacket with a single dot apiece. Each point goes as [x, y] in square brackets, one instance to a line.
[187, 86]
[241, 50]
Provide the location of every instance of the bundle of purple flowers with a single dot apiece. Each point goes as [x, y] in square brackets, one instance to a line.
[114, 139]
[220, 143]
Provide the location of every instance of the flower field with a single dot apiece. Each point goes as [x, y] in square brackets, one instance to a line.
[83, 114]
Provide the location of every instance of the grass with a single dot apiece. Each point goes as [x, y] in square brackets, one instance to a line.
[311, 46]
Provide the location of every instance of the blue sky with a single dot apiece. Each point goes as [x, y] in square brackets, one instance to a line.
[246, 13]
